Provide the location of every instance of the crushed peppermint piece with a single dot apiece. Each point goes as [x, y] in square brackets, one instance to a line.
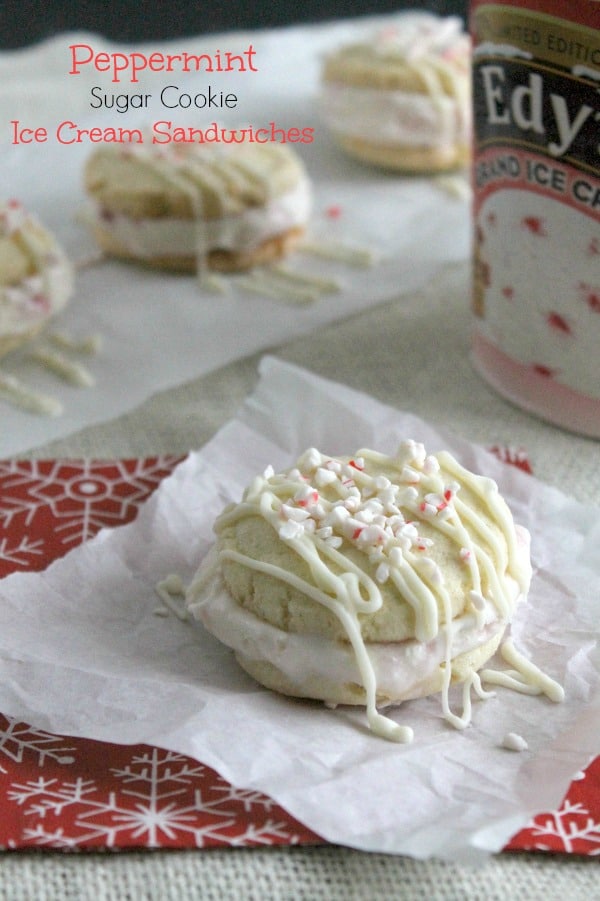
[324, 477]
[310, 459]
[290, 530]
[359, 463]
[407, 496]
[298, 514]
[431, 465]
[382, 572]
[410, 475]
[306, 496]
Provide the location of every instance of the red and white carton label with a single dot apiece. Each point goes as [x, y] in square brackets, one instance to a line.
[536, 179]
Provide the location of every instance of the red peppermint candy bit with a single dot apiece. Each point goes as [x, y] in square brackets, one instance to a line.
[535, 225]
[311, 498]
[40, 302]
[13, 204]
[356, 465]
[546, 371]
[508, 291]
[334, 212]
[591, 296]
[558, 323]
[516, 456]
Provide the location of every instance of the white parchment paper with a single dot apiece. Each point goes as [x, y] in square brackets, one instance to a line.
[159, 329]
[83, 652]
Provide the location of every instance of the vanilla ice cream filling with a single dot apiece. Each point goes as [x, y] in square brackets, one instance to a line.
[243, 231]
[395, 118]
[400, 667]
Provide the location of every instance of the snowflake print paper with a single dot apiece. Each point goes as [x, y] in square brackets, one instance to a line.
[59, 792]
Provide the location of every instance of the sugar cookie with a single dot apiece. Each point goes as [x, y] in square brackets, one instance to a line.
[186, 207]
[401, 98]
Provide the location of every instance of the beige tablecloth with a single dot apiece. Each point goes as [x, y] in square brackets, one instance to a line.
[413, 353]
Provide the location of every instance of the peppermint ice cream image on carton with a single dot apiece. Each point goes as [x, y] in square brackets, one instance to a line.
[536, 177]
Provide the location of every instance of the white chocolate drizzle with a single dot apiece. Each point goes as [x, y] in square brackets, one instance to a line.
[361, 257]
[171, 592]
[19, 395]
[284, 284]
[68, 370]
[526, 677]
[325, 505]
[90, 345]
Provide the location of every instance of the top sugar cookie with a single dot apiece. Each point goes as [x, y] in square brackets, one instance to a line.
[401, 98]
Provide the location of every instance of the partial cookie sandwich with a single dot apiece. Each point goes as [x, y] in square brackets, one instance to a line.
[198, 206]
[401, 98]
[36, 277]
[369, 580]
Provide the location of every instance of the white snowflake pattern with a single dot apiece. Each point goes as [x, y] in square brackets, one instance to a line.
[247, 797]
[85, 495]
[147, 809]
[568, 826]
[18, 554]
[17, 738]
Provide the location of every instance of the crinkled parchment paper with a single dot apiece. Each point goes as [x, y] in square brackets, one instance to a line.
[82, 650]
